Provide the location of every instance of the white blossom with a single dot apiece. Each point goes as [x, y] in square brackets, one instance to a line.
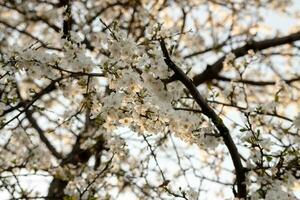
[296, 121]
[192, 194]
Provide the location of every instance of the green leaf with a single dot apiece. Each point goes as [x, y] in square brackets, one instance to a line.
[269, 158]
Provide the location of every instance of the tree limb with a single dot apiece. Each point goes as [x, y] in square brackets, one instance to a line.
[209, 112]
[41, 133]
[76, 157]
[212, 71]
[256, 83]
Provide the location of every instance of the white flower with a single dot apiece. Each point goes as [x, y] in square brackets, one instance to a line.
[2, 106]
[269, 107]
[192, 194]
[88, 143]
[143, 60]
[114, 100]
[296, 121]
[277, 193]
[255, 156]
[210, 141]
[126, 121]
[75, 37]
[255, 196]
[115, 49]
[229, 61]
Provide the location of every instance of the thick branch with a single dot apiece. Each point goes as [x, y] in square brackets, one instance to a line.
[209, 112]
[212, 71]
[41, 133]
[76, 157]
[68, 20]
[256, 83]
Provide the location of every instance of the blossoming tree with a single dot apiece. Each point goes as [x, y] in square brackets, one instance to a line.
[149, 99]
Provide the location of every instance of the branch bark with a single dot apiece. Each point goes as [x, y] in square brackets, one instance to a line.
[68, 20]
[41, 133]
[209, 112]
[212, 71]
[76, 157]
[257, 83]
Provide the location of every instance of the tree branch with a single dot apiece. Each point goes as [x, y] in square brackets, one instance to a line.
[212, 71]
[41, 133]
[45, 45]
[256, 83]
[76, 157]
[68, 20]
[209, 112]
[26, 104]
